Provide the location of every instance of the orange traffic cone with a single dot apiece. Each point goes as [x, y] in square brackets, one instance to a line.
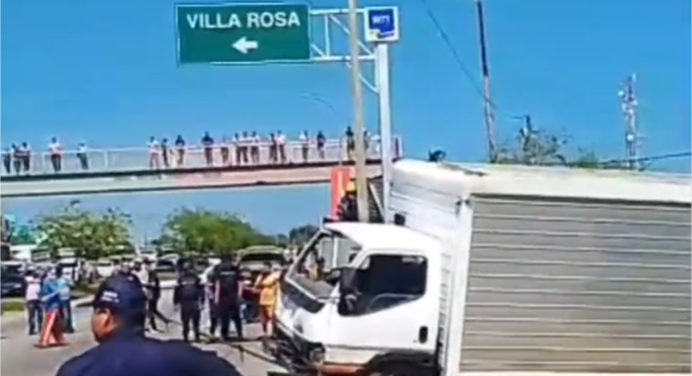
[52, 333]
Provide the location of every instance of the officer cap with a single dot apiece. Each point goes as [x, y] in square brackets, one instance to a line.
[123, 294]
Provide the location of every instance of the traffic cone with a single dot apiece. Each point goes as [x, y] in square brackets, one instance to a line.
[52, 333]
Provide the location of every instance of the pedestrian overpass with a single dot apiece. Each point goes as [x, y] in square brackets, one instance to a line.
[130, 170]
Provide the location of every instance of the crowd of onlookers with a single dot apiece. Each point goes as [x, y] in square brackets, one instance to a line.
[245, 148]
[18, 157]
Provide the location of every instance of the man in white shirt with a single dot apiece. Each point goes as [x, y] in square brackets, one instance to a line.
[244, 146]
[55, 149]
[34, 308]
[281, 143]
[154, 149]
[141, 272]
[304, 145]
[255, 147]
[25, 156]
[82, 155]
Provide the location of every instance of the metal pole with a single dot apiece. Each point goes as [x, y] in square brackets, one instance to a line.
[359, 126]
[385, 107]
[487, 101]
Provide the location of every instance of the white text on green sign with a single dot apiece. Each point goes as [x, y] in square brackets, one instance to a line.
[251, 20]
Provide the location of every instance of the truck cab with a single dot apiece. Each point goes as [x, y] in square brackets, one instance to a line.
[383, 281]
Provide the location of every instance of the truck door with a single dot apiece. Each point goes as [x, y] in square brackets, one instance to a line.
[388, 310]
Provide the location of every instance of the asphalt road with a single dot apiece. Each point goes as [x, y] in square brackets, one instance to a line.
[19, 357]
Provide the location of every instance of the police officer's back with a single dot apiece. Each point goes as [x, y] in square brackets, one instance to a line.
[123, 349]
[189, 297]
[227, 290]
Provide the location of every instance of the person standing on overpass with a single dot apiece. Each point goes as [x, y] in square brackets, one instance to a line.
[208, 145]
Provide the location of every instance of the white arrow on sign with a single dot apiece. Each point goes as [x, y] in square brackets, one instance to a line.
[244, 45]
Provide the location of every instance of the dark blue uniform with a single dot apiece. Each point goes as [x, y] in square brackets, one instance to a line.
[129, 352]
[135, 355]
[189, 294]
[226, 280]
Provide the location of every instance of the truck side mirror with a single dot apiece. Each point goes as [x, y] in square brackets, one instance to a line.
[347, 280]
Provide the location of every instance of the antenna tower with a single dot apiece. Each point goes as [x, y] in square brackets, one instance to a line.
[629, 110]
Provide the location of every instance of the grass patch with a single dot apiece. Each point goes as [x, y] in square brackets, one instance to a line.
[13, 306]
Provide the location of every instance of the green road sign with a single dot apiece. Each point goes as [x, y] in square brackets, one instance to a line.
[243, 33]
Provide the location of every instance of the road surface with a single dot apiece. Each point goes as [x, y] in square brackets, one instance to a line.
[19, 357]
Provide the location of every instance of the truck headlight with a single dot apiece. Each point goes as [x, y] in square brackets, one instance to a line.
[317, 355]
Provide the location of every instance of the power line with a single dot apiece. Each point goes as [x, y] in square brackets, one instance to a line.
[457, 57]
[640, 161]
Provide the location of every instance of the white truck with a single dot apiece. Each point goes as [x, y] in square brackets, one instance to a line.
[500, 269]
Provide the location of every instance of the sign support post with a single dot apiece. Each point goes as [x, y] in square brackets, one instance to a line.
[385, 114]
[382, 28]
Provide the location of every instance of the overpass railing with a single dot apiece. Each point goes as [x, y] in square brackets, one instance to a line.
[191, 157]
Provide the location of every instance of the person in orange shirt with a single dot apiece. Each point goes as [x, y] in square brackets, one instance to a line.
[267, 285]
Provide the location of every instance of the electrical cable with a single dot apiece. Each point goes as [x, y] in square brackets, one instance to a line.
[656, 158]
[458, 60]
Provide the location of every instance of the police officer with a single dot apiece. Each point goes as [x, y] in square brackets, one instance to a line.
[228, 291]
[118, 325]
[188, 296]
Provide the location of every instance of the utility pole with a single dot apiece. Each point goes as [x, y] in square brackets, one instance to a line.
[487, 100]
[629, 110]
[359, 126]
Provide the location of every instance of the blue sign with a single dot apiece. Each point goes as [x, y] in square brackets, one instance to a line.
[381, 24]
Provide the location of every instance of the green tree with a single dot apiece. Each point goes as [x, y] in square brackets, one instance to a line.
[301, 234]
[208, 232]
[88, 234]
[536, 147]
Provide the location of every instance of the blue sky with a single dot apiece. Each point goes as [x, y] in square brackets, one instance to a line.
[105, 73]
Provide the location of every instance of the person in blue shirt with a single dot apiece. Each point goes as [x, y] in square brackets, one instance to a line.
[65, 289]
[118, 324]
[52, 333]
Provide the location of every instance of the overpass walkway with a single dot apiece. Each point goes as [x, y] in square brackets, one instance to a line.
[122, 170]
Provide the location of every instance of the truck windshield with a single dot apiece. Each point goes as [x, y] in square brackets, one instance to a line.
[316, 269]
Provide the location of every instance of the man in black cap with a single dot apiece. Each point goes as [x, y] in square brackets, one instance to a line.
[123, 349]
[189, 296]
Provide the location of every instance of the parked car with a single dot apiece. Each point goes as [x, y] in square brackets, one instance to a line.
[165, 265]
[251, 261]
[12, 284]
[105, 268]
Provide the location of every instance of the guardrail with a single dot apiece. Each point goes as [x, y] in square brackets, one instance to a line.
[194, 157]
